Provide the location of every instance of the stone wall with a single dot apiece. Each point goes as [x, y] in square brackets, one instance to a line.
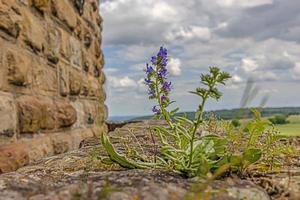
[51, 78]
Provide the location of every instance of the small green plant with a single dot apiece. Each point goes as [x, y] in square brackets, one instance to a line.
[257, 141]
[279, 119]
[236, 123]
[183, 146]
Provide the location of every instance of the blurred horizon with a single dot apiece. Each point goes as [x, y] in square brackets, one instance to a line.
[251, 39]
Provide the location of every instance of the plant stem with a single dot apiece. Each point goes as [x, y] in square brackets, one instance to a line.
[196, 125]
[199, 121]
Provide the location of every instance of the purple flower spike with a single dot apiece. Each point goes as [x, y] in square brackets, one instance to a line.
[149, 69]
[162, 72]
[154, 60]
[167, 85]
[147, 81]
[151, 91]
[155, 110]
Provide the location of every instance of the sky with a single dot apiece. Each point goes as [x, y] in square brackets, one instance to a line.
[255, 40]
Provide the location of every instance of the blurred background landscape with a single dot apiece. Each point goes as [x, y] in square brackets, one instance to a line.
[255, 40]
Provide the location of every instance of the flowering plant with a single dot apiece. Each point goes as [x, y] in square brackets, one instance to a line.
[182, 146]
[190, 154]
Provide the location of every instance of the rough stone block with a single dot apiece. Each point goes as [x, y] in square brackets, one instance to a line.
[90, 112]
[44, 78]
[75, 82]
[18, 66]
[41, 5]
[29, 113]
[85, 87]
[90, 14]
[41, 113]
[53, 45]
[64, 11]
[63, 79]
[95, 113]
[86, 62]
[102, 113]
[33, 31]
[75, 48]
[65, 44]
[79, 5]
[13, 156]
[8, 114]
[98, 130]
[9, 21]
[66, 113]
[49, 114]
[87, 39]
[94, 87]
[78, 105]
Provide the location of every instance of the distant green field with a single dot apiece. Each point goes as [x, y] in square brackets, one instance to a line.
[292, 128]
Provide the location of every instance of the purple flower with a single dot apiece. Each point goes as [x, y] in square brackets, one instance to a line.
[149, 69]
[162, 72]
[151, 91]
[162, 55]
[163, 98]
[163, 52]
[164, 62]
[154, 60]
[147, 81]
[166, 85]
[155, 110]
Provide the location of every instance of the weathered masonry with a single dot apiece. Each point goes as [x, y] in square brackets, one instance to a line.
[51, 78]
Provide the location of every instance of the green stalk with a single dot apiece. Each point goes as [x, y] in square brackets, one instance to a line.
[196, 125]
[198, 122]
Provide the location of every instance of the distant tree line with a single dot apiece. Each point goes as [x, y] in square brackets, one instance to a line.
[241, 113]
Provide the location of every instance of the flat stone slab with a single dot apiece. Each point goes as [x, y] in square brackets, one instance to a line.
[80, 175]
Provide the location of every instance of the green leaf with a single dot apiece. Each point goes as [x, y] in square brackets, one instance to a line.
[252, 155]
[183, 120]
[215, 71]
[173, 112]
[118, 158]
[183, 131]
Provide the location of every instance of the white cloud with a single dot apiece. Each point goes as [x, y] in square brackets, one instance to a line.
[109, 6]
[249, 65]
[138, 52]
[174, 66]
[265, 76]
[243, 3]
[121, 82]
[236, 79]
[189, 33]
[163, 11]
